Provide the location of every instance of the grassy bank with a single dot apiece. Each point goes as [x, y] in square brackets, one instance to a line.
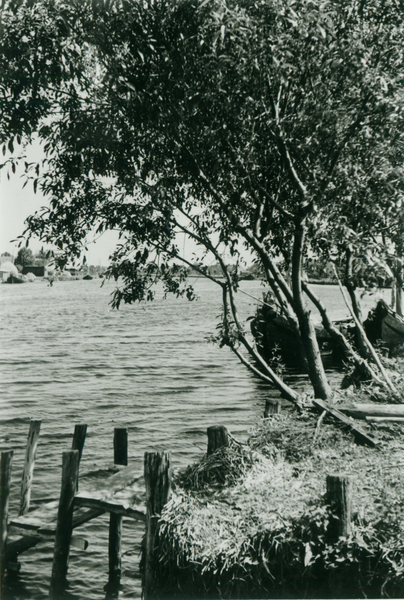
[252, 520]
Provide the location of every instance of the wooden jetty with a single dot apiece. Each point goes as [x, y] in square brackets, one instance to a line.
[126, 493]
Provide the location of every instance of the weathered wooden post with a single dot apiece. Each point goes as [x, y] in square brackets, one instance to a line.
[339, 498]
[115, 521]
[120, 446]
[79, 437]
[157, 474]
[218, 436]
[272, 407]
[70, 473]
[5, 478]
[28, 472]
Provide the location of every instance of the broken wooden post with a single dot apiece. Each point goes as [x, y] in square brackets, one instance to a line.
[339, 498]
[28, 472]
[79, 437]
[218, 436]
[70, 473]
[5, 477]
[157, 474]
[272, 407]
[115, 521]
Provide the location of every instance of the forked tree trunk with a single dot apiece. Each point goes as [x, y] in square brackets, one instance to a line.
[315, 365]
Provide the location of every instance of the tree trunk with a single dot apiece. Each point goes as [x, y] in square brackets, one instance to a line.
[317, 374]
[341, 340]
[350, 286]
[399, 282]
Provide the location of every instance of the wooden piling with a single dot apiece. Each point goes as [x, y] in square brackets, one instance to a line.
[339, 498]
[5, 478]
[28, 472]
[115, 521]
[121, 446]
[157, 474]
[70, 472]
[272, 407]
[218, 436]
[79, 437]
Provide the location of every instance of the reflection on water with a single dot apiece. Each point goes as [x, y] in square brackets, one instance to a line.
[67, 358]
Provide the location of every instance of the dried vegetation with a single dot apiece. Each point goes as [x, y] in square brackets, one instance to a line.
[251, 521]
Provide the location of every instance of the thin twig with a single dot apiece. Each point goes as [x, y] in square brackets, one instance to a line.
[320, 420]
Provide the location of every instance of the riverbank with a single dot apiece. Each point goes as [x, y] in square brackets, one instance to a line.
[253, 520]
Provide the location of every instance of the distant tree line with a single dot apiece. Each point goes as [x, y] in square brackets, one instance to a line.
[26, 258]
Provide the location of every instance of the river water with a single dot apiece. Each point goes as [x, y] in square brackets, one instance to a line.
[66, 357]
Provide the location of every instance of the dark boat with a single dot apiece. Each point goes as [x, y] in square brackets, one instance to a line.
[384, 324]
[274, 333]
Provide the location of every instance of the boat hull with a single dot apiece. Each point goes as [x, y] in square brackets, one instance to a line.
[383, 324]
[274, 335]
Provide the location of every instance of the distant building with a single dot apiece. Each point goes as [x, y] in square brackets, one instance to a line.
[37, 271]
[6, 269]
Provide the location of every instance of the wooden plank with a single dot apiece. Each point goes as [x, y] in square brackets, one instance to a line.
[38, 518]
[121, 494]
[133, 493]
[28, 472]
[21, 545]
[385, 419]
[31, 537]
[360, 435]
[133, 511]
[105, 471]
[31, 533]
[128, 476]
[44, 519]
[43, 534]
[361, 411]
[81, 516]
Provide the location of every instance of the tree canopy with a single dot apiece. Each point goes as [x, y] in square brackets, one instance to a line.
[25, 257]
[270, 125]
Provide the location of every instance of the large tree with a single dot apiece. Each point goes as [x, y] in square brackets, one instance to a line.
[237, 123]
[25, 257]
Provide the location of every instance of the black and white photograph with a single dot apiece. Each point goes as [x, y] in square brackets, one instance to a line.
[201, 292]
